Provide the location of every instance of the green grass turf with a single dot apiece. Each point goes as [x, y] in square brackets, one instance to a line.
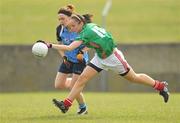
[103, 108]
[130, 21]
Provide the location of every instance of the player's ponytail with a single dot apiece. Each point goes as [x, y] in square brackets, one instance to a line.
[70, 7]
[67, 10]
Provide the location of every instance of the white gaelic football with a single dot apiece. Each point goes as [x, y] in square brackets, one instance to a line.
[40, 49]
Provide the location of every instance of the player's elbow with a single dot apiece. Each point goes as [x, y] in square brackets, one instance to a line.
[69, 48]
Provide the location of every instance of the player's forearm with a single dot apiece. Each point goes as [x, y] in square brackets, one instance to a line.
[70, 47]
[61, 47]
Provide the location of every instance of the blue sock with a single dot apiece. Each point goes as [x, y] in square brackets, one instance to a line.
[82, 105]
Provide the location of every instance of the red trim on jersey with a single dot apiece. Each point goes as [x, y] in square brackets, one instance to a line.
[124, 63]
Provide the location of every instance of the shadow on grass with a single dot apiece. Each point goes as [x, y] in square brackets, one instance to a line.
[62, 117]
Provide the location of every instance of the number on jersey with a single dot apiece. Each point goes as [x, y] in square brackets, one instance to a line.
[99, 31]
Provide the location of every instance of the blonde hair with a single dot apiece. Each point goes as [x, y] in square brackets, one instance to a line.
[67, 10]
[70, 7]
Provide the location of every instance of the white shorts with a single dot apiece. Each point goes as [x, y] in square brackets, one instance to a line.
[115, 62]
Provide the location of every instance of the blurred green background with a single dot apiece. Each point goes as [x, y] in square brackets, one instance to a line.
[130, 21]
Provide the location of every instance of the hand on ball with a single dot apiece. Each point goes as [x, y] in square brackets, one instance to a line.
[49, 45]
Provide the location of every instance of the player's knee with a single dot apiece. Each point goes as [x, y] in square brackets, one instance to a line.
[140, 75]
[70, 86]
[82, 79]
[59, 86]
[134, 77]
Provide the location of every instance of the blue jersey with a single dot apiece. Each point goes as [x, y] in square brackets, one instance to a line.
[66, 37]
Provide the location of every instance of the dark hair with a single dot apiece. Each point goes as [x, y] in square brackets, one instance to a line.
[67, 10]
[86, 18]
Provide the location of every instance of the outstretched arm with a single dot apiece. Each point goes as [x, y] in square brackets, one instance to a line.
[70, 47]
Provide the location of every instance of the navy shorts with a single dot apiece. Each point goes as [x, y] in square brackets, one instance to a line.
[76, 68]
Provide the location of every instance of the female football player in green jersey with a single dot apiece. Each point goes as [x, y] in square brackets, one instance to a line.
[107, 56]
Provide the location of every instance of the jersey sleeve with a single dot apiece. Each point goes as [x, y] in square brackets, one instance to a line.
[79, 38]
[83, 36]
[59, 30]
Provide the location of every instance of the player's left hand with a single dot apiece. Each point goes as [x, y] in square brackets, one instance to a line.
[80, 56]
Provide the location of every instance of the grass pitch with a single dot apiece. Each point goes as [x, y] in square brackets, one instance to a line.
[103, 108]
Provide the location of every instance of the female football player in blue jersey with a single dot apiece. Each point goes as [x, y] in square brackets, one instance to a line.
[71, 63]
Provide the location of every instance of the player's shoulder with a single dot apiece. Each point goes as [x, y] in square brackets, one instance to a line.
[59, 27]
[89, 25]
[59, 30]
[88, 28]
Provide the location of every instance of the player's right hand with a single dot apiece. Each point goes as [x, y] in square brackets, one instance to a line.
[49, 45]
[66, 62]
